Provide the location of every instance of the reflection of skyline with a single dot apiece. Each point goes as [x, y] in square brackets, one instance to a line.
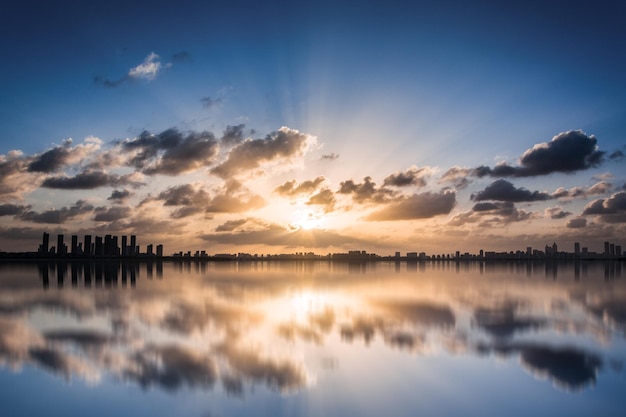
[214, 327]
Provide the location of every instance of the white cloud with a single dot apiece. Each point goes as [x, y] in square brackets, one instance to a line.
[148, 69]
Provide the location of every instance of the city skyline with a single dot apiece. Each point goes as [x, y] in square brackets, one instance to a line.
[298, 127]
[103, 247]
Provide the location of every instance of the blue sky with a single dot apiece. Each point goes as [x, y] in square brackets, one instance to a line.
[376, 87]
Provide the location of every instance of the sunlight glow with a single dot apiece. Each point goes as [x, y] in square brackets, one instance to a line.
[307, 219]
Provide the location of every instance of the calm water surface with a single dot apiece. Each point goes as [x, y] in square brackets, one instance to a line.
[312, 339]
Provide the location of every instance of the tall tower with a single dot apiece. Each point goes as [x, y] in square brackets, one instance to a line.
[60, 245]
[45, 244]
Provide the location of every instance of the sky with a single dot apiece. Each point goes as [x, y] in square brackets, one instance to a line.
[281, 127]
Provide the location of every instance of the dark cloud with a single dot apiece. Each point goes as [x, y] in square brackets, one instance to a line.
[12, 209]
[502, 190]
[557, 213]
[85, 181]
[292, 188]
[210, 103]
[567, 152]
[111, 214]
[119, 195]
[412, 176]
[51, 160]
[324, 198]
[181, 56]
[21, 233]
[275, 235]
[417, 206]
[59, 216]
[617, 155]
[610, 210]
[330, 157]
[170, 152]
[577, 223]
[366, 191]
[231, 225]
[457, 176]
[84, 338]
[491, 212]
[184, 195]
[233, 135]
[283, 144]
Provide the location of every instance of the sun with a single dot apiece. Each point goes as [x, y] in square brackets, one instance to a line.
[307, 219]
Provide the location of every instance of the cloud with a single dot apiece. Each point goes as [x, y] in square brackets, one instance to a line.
[412, 176]
[457, 176]
[502, 190]
[557, 213]
[491, 212]
[21, 233]
[181, 56]
[616, 156]
[366, 191]
[59, 216]
[86, 181]
[598, 188]
[577, 223]
[282, 145]
[193, 199]
[12, 209]
[170, 152]
[330, 157]
[111, 214]
[324, 198]
[55, 159]
[148, 70]
[417, 206]
[234, 198]
[210, 103]
[276, 235]
[233, 135]
[291, 188]
[567, 152]
[119, 196]
[609, 210]
[231, 225]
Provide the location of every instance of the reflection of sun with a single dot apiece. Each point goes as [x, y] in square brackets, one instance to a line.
[305, 303]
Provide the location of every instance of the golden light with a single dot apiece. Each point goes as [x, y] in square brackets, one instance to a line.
[307, 219]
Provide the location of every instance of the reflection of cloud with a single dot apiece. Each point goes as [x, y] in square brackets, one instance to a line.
[59, 363]
[418, 312]
[276, 374]
[502, 321]
[171, 367]
[568, 368]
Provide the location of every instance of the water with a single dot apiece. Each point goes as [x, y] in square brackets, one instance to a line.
[312, 339]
